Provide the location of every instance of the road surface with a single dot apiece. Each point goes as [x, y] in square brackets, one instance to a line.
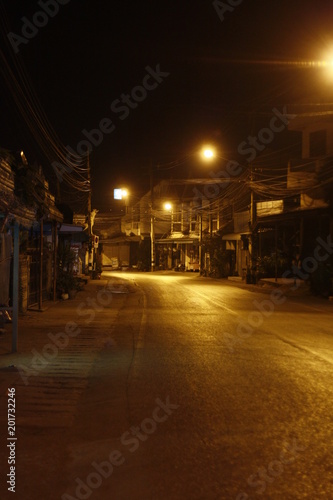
[172, 387]
[210, 391]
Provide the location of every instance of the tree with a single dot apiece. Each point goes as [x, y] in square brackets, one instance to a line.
[221, 260]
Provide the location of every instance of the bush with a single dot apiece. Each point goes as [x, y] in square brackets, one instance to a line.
[267, 265]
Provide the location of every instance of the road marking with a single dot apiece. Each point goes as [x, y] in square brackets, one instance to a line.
[316, 354]
[141, 337]
[216, 303]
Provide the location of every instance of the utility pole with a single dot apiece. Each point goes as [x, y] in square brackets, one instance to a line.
[16, 263]
[252, 200]
[200, 242]
[89, 194]
[41, 253]
[152, 234]
[55, 248]
[252, 222]
[90, 253]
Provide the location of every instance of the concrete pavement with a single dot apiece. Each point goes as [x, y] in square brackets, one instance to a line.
[56, 351]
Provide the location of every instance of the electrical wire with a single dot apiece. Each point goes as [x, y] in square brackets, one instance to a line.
[73, 168]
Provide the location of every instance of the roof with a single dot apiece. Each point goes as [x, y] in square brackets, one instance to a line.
[121, 239]
[303, 120]
[184, 240]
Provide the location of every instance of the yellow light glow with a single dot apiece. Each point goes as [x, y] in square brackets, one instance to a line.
[24, 159]
[124, 193]
[208, 153]
[327, 65]
[167, 206]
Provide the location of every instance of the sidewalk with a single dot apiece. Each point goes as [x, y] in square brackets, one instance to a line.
[57, 349]
[33, 324]
[290, 286]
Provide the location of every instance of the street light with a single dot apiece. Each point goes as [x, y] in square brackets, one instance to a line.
[208, 153]
[168, 207]
[328, 66]
[120, 193]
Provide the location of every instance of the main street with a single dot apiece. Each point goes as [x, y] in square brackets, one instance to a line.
[200, 403]
[170, 387]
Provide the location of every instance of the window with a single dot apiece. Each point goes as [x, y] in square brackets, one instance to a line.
[193, 226]
[176, 222]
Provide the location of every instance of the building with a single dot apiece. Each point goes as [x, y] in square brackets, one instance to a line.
[182, 219]
[26, 201]
[297, 208]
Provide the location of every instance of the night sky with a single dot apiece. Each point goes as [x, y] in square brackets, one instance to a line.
[216, 87]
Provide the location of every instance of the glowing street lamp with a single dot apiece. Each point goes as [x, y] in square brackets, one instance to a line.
[208, 153]
[326, 65]
[120, 194]
[168, 206]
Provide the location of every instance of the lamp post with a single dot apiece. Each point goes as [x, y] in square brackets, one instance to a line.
[208, 154]
[152, 241]
[152, 231]
[200, 242]
[122, 194]
[168, 207]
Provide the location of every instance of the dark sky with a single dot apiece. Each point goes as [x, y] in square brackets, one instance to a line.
[92, 52]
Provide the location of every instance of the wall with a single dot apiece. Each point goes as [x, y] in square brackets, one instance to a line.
[313, 128]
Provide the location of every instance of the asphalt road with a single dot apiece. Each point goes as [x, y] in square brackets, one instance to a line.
[171, 387]
[207, 390]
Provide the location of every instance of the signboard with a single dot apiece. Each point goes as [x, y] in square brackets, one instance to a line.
[265, 208]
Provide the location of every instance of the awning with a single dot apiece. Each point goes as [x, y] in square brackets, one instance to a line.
[120, 240]
[232, 237]
[70, 228]
[186, 241]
